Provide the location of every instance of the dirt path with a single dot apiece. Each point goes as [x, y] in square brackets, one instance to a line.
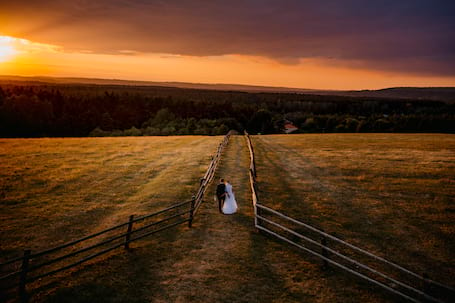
[223, 262]
[223, 259]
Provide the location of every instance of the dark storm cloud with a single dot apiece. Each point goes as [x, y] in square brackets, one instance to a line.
[410, 36]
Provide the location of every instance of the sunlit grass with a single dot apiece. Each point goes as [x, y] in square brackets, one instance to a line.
[389, 193]
[220, 259]
[371, 190]
[56, 190]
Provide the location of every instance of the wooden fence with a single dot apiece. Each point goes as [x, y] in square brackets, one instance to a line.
[208, 177]
[253, 183]
[32, 266]
[334, 251]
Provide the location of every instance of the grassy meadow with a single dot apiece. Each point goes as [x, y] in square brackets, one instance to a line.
[222, 258]
[56, 190]
[389, 193]
[392, 194]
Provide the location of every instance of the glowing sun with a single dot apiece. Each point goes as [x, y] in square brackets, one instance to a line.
[7, 50]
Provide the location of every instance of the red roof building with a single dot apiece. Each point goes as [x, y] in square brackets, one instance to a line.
[289, 128]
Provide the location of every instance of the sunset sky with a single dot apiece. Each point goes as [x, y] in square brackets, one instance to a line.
[349, 44]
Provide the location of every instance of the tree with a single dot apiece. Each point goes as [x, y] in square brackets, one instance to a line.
[133, 131]
[107, 122]
[310, 124]
[98, 132]
[261, 122]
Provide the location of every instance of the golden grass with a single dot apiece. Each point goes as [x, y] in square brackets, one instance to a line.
[389, 193]
[56, 190]
[223, 259]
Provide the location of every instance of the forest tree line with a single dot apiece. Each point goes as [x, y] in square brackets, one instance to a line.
[114, 110]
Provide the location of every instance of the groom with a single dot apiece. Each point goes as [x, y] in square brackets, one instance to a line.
[221, 193]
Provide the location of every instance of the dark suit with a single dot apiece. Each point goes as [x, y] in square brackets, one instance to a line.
[221, 194]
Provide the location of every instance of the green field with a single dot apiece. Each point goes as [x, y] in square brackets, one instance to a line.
[389, 193]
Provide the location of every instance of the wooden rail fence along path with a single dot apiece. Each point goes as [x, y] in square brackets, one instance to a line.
[31, 266]
[334, 251]
[208, 177]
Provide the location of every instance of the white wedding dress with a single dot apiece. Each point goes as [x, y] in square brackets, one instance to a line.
[230, 205]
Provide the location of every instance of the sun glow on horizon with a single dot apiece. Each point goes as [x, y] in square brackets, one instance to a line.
[7, 49]
[24, 57]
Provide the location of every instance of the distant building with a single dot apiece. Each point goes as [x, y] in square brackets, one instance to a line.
[289, 127]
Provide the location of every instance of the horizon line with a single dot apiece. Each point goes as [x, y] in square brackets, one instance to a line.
[170, 82]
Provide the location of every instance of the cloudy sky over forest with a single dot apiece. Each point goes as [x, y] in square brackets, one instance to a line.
[349, 44]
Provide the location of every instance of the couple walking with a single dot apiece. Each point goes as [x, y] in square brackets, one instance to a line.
[226, 199]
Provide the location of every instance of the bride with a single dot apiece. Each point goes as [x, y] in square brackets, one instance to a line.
[230, 205]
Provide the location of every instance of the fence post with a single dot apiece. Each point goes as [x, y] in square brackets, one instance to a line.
[256, 221]
[255, 186]
[255, 199]
[425, 285]
[253, 160]
[324, 253]
[128, 233]
[23, 277]
[193, 201]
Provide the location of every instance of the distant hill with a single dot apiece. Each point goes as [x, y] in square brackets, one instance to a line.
[421, 93]
[446, 94]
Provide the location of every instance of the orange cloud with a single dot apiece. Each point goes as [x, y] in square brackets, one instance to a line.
[413, 36]
[33, 58]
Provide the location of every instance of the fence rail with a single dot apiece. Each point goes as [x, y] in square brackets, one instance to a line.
[252, 173]
[19, 271]
[398, 280]
[208, 177]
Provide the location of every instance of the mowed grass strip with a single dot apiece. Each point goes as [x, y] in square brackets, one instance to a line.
[392, 194]
[56, 190]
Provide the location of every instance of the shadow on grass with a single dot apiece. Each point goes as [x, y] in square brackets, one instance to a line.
[124, 276]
